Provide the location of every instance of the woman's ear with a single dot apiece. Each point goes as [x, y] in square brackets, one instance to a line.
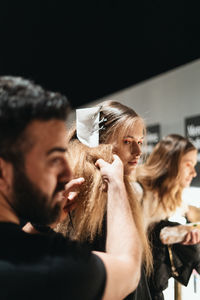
[6, 175]
[114, 148]
[105, 187]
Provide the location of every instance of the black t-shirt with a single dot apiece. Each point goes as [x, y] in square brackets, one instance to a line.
[44, 266]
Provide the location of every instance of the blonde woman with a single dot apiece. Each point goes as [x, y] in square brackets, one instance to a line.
[168, 170]
[121, 131]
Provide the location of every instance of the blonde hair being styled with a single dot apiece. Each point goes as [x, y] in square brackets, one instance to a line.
[92, 199]
[118, 119]
[160, 173]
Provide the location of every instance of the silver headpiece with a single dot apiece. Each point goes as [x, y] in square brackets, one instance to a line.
[87, 125]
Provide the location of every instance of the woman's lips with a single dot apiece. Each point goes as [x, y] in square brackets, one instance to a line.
[133, 163]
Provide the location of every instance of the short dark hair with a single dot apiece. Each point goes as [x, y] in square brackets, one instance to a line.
[22, 101]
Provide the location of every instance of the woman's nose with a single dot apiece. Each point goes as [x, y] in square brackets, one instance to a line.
[194, 173]
[135, 149]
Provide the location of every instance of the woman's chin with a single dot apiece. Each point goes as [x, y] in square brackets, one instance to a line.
[128, 170]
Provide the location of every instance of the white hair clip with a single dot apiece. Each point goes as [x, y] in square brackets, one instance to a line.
[87, 126]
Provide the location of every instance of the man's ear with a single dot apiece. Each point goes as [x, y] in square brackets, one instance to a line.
[6, 175]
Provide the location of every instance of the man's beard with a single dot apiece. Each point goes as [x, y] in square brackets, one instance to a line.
[30, 203]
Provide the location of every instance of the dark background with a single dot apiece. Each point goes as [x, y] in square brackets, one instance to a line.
[88, 49]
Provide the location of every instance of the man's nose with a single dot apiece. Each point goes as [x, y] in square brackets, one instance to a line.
[67, 173]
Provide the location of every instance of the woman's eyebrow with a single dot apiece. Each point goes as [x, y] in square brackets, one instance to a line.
[189, 161]
[132, 137]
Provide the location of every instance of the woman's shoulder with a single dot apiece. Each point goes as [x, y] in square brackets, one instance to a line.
[138, 189]
[142, 194]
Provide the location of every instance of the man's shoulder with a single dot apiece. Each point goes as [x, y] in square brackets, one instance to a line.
[39, 245]
[53, 279]
[50, 262]
[53, 250]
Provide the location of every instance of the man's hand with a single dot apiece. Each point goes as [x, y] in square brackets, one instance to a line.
[70, 194]
[124, 251]
[113, 171]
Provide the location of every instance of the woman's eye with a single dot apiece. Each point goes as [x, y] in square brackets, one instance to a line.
[140, 143]
[127, 142]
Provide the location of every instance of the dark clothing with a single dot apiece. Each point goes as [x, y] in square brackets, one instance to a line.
[47, 266]
[142, 291]
[185, 259]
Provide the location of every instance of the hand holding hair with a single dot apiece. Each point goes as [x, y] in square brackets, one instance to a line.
[113, 171]
[71, 192]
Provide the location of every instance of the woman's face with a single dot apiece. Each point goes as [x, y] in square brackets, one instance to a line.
[129, 148]
[187, 168]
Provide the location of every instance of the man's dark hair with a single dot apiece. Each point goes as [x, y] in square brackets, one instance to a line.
[21, 101]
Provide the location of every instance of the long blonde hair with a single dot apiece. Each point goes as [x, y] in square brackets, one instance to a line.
[87, 218]
[160, 173]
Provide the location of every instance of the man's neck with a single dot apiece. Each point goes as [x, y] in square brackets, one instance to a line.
[6, 212]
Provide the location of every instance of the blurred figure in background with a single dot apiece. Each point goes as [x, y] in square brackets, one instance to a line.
[161, 180]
